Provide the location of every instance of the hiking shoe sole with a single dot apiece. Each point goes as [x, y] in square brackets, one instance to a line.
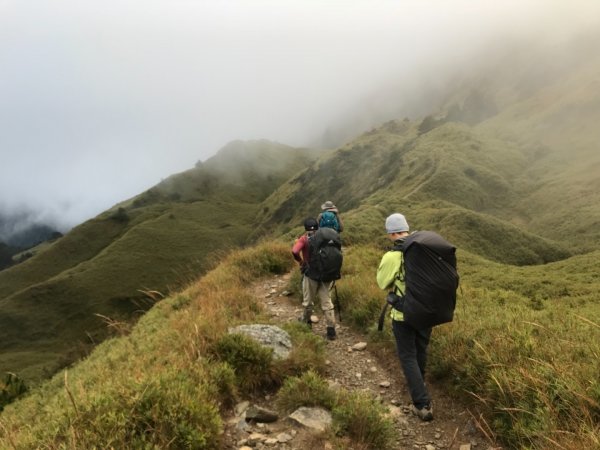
[425, 413]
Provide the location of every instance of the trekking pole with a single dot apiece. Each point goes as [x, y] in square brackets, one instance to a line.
[337, 304]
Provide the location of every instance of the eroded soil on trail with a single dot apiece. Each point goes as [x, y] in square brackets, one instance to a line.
[453, 427]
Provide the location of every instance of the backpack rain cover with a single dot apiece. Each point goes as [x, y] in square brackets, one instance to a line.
[430, 278]
[325, 255]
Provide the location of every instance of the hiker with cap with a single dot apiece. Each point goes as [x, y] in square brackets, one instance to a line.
[318, 276]
[330, 217]
[411, 343]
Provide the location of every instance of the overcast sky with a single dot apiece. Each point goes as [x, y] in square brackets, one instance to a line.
[100, 100]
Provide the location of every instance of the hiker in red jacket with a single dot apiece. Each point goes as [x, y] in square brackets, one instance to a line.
[313, 289]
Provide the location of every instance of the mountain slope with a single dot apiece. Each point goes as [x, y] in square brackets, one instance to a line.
[157, 241]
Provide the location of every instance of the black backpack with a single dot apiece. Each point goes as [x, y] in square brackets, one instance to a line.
[325, 255]
[430, 278]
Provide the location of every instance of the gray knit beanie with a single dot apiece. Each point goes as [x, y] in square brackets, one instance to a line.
[396, 223]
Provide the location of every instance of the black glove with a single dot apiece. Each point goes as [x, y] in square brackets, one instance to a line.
[303, 268]
[395, 301]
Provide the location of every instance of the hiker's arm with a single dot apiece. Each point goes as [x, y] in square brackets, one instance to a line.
[340, 223]
[297, 249]
[387, 271]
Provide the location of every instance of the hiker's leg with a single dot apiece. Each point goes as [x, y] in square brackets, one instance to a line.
[421, 343]
[407, 352]
[309, 292]
[326, 303]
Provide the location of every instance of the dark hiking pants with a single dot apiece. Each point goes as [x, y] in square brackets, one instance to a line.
[411, 345]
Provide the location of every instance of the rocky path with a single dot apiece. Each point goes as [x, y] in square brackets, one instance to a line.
[352, 366]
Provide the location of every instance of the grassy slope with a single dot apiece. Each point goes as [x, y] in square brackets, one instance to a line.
[453, 179]
[523, 340]
[154, 385]
[158, 241]
[556, 127]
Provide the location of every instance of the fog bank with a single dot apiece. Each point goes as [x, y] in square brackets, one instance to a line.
[101, 100]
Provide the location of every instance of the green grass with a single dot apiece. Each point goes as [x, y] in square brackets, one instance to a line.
[524, 346]
[357, 416]
[55, 306]
[156, 386]
[168, 382]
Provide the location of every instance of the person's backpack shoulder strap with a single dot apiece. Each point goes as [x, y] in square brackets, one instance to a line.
[399, 276]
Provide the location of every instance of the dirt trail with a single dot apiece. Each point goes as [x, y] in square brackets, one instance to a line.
[453, 426]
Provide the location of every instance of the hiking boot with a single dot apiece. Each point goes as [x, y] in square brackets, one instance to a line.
[425, 413]
[331, 333]
[305, 317]
[308, 322]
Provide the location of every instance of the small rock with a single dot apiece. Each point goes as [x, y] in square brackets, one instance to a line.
[259, 414]
[385, 384]
[316, 418]
[430, 447]
[314, 319]
[465, 447]
[334, 384]
[438, 435]
[241, 425]
[394, 411]
[255, 438]
[286, 293]
[282, 438]
[241, 407]
[271, 442]
[245, 447]
[373, 369]
[358, 375]
[360, 346]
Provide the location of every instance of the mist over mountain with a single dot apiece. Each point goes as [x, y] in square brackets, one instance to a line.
[24, 229]
[89, 118]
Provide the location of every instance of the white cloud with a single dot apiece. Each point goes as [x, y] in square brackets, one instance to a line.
[100, 100]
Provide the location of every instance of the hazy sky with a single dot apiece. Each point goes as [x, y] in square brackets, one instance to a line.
[99, 100]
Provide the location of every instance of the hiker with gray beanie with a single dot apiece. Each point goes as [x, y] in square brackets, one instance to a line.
[411, 343]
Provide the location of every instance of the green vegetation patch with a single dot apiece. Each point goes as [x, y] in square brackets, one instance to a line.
[156, 387]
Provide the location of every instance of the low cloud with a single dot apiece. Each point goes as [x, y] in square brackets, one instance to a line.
[102, 100]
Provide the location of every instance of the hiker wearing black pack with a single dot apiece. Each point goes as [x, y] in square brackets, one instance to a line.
[420, 273]
[330, 217]
[318, 252]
